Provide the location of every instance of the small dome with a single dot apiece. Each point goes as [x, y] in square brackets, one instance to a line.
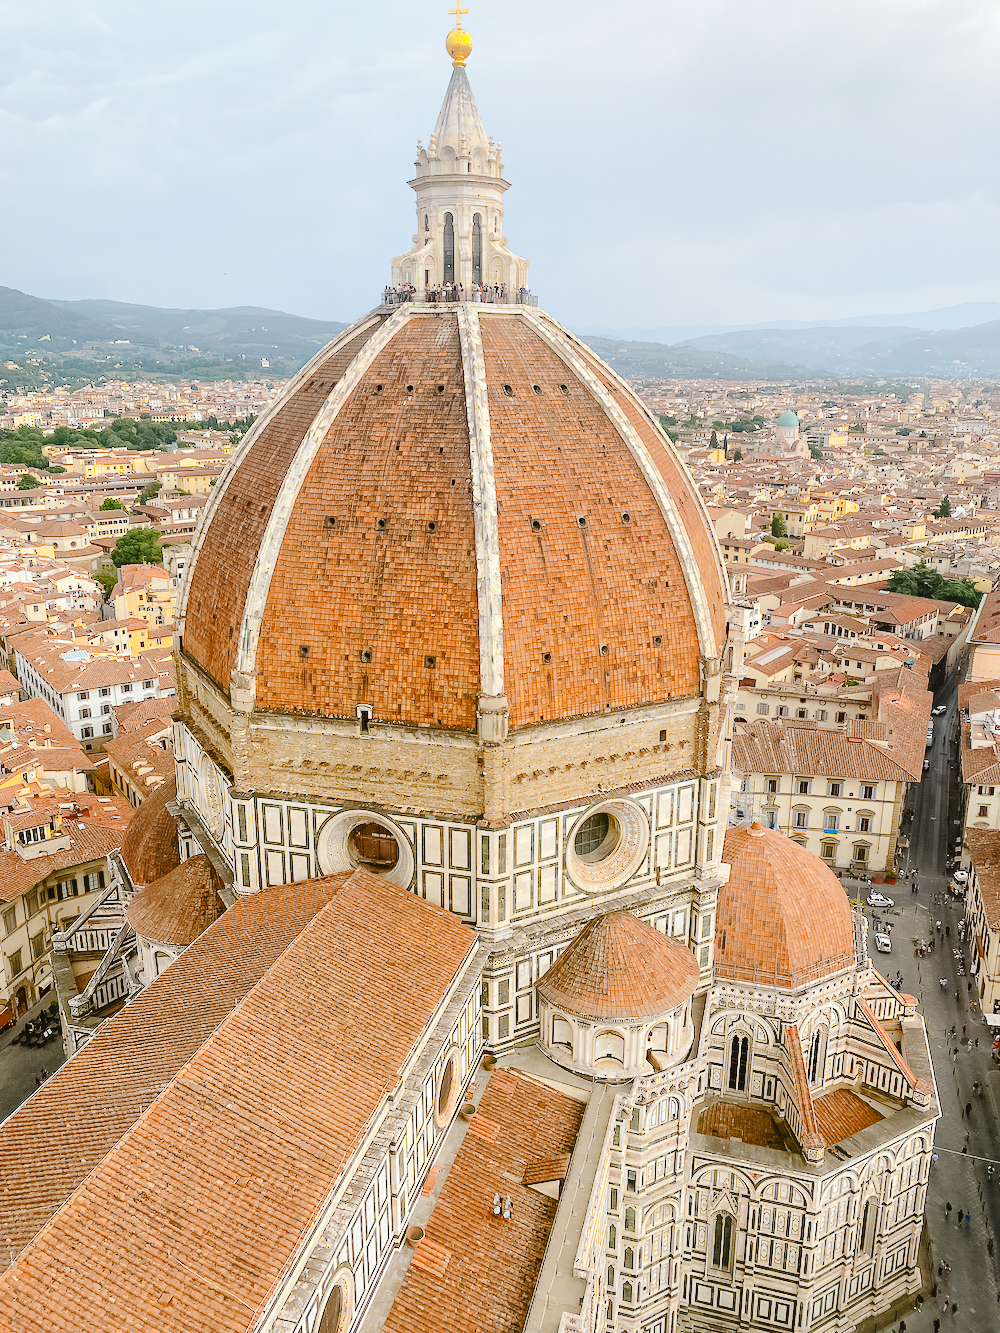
[783, 919]
[179, 907]
[788, 418]
[149, 848]
[620, 968]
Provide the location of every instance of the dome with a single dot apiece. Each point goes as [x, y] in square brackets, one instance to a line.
[179, 907]
[620, 968]
[789, 419]
[149, 848]
[452, 502]
[783, 919]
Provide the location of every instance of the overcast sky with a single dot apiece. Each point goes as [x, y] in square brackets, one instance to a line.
[671, 161]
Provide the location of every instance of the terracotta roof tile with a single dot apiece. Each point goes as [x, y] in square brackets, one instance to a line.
[492, 1263]
[179, 907]
[619, 967]
[783, 918]
[150, 849]
[841, 1114]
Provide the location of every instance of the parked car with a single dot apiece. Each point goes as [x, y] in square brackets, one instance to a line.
[876, 899]
[960, 876]
[883, 943]
[927, 764]
[941, 708]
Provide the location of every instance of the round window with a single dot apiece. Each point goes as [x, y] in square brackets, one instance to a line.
[447, 1091]
[373, 846]
[607, 846]
[339, 1308]
[597, 837]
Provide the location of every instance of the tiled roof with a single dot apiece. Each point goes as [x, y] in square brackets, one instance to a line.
[783, 918]
[736, 1120]
[179, 907]
[841, 1114]
[478, 1272]
[195, 1212]
[620, 968]
[373, 593]
[984, 852]
[150, 849]
[134, 716]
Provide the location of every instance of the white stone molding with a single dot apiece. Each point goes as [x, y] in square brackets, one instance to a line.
[274, 534]
[484, 501]
[333, 845]
[244, 447]
[561, 342]
[625, 858]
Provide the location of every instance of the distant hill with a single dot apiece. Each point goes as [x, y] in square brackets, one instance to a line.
[860, 350]
[655, 361]
[26, 318]
[249, 331]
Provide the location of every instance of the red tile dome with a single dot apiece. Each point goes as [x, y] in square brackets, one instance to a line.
[619, 969]
[450, 503]
[783, 919]
[150, 848]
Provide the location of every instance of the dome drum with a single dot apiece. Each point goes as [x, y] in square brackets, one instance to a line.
[616, 1050]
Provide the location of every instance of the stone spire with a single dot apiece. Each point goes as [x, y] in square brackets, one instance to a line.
[459, 187]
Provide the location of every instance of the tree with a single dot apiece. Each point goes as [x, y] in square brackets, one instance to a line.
[778, 528]
[28, 482]
[141, 546]
[943, 510]
[924, 581]
[106, 579]
[112, 503]
[713, 442]
[147, 492]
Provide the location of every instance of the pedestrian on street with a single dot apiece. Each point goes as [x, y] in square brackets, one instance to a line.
[966, 1217]
[937, 1326]
[968, 1110]
[957, 997]
[902, 1326]
[947, 1212]
[954, 1308]
[965, 1028]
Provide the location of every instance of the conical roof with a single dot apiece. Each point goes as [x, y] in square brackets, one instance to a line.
[619, 968]
[458, 124]
[783, 919]
[149, 848]
[179, 907]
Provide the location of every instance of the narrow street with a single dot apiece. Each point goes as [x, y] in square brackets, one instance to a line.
[967, 1148]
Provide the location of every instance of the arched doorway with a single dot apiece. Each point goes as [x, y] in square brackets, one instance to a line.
[21, 1000]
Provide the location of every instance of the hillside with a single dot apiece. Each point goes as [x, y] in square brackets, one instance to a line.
[655, 361]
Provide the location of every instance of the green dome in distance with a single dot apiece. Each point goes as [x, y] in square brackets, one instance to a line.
[788, 418]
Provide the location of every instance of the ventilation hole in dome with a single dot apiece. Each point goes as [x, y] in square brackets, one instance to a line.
[582, 520]
[604, 650]
[536, 525]
[409, 388]
[626, 517]
[537, 388]
[441, 449]
[303, 650]
[263, 509]
[564, 388]
[546, 658]
[657, 640]
[330, 521]
[453, 481]
[432, 526]
[663, 736]
[440, 388]
[430, 661]
[380, 524]
[378, 388]
[366, 654]
[508, 390]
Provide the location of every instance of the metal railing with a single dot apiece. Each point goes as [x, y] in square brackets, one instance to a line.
[392, 296]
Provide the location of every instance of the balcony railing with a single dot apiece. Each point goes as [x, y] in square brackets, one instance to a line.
[445, 295]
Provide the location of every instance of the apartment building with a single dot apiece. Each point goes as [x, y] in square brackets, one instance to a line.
[53, 866]
[982, 903]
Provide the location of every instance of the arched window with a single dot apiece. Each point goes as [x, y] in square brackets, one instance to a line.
[427, 223]
[562, 1033]
[609, 1048]
[630, 1219]
[627, 1292]
[449, 248]
[817, 1055]
[477, 247]
[722, 1246]
[612, 1237]
[868, 1220]
[629, 1260]
[739, 1055]
[611, 1277]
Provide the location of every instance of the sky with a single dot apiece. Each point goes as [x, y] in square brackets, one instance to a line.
[671, 162]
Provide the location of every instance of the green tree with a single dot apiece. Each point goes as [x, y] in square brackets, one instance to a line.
[112, 503]
[28, 482]
[924, 581]
[713, 442]
[141, 546]
[106, 579]
[944, 509]
[148, 492]
[778, 528]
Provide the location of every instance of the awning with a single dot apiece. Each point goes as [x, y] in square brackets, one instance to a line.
[993, 1020]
